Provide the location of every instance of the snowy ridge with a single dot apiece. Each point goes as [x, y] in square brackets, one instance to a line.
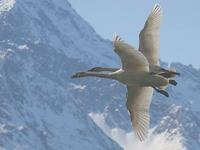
[56, 23]
[128, 140]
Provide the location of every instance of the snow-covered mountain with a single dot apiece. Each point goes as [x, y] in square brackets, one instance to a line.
[40, 45]
[42, 42]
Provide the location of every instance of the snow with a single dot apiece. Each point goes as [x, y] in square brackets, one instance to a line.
[6, 5]
[2, 148]
[175, 109]
[3, 129]
[2, 55]
[77, 87]
[20, 128]
[199, 138]
[23, 47]
[129, 141]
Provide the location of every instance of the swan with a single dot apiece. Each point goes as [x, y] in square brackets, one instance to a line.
[149, 42]
[136, 73]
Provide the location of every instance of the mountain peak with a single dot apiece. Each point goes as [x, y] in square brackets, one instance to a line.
[55, 23]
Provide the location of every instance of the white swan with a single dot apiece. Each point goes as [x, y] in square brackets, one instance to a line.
[139, 80]
[149, 44]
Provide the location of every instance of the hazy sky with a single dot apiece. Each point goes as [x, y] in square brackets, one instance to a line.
[180, 31]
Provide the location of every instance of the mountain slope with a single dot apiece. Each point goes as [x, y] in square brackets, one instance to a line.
[37, 110]
[42, 44]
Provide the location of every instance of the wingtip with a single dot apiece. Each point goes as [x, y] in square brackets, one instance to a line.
[157, 8]
[157, 5]
[116, 37]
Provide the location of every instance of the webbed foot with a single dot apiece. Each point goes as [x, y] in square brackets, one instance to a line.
[163, 92]
[173, 82]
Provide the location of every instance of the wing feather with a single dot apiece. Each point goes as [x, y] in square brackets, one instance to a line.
[138, 103]
[132, 59]
[150, 36]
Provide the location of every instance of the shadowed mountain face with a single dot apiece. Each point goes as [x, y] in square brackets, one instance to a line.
[39, 47]
[42, 44]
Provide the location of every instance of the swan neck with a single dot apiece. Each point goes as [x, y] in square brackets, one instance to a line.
[101, 75]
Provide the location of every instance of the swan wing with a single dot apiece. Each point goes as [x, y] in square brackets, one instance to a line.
[150, 36]
[132, 59]
[138, 103]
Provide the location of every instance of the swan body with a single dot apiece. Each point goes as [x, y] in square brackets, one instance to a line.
[140, 72]
[139, 78]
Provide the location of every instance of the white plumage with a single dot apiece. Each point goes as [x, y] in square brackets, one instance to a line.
[150, 36]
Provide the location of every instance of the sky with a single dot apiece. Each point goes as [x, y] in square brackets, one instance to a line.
[180, 33]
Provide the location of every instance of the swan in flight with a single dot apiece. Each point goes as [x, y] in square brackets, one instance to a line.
[140, 72]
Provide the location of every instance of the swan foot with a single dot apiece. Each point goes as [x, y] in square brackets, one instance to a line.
[173, 82]
[163, 92]
[79, 75]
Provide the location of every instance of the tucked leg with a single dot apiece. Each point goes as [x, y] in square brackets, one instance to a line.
[173, 82]
[168, 73]
[161, 91]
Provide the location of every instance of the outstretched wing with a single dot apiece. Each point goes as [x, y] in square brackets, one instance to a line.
[150, 36]
[138, 103]
[132, 59]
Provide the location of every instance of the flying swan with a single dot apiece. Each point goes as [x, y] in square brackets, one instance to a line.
[140, 72]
